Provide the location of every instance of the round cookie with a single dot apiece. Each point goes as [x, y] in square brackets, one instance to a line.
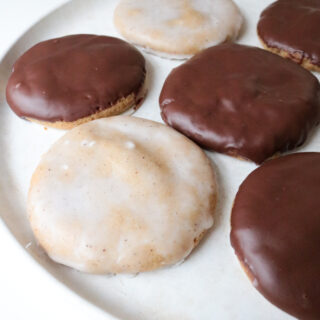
[242, 101]
[291, 29]
[67, 81]
[121, 195]
[276, 232]
[177, 29]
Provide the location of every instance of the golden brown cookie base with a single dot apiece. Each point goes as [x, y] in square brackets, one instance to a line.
[119, 107]
[297, 57]
[247, 271]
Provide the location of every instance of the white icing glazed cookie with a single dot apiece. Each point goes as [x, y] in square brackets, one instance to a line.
[121, 195]
[177, 28]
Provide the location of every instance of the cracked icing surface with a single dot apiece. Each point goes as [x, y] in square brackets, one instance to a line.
[121, 195]
[180, 28]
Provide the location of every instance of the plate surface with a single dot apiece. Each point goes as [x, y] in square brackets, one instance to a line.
[210, 283]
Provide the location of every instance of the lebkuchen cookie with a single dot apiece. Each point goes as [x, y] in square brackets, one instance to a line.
[242, 101]
[121, 195]
[275, 232]
[290, 28]
[67, 81]
[177, 29]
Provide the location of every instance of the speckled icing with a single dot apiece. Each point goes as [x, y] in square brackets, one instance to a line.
[121, 195]
[177, 28]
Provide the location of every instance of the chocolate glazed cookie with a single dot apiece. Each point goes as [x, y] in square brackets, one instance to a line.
[67, 81]
[276, 232]
[242, 101]
[291, 28]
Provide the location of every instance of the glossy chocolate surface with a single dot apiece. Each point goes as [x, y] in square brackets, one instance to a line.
[242, 101]
[72, 77]
[293, 26]
[276, 232]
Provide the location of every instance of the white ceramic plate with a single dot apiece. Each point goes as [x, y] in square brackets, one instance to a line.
[210, 283]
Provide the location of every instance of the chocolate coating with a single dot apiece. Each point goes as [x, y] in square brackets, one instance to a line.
[276, 232]
[69, 78]
[293, 26]
[242, 101]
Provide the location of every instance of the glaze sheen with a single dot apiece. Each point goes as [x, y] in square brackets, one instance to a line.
[242, 101]
[293, 26]
[276, 232]
[116, 195]
[72, 77]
